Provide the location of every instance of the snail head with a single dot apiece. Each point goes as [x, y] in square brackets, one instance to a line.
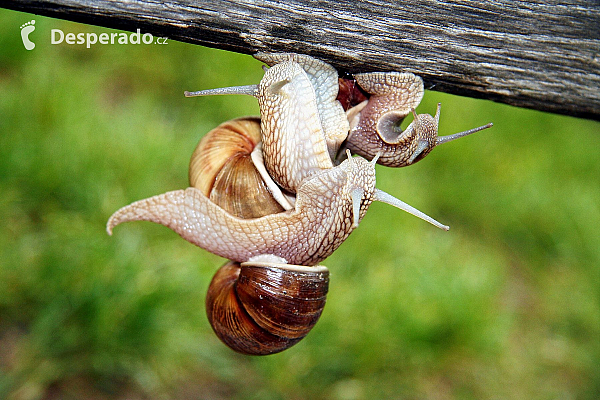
[360, 188]
[424, 128]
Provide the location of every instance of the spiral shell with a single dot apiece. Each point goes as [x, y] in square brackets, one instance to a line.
[222, 167]
[264, 308]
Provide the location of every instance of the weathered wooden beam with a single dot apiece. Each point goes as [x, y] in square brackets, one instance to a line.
[541, 55]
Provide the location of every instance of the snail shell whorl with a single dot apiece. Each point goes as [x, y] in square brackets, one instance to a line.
[264, 308]
[222, 168]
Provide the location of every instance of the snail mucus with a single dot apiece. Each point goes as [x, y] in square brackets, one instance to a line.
[275, 197]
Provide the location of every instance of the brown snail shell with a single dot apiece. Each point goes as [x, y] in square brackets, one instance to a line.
[222, 167]
[264, 308]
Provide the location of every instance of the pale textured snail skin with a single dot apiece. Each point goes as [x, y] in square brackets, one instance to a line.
[372, 128]
[323, 80]
[324, 215]
[375, 123]
[294, 141]
[330, 201]
[261, 309]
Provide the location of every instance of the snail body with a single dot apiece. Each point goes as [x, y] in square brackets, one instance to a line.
[322, 80]
[329, 205]
[294, 143]
[375, 122]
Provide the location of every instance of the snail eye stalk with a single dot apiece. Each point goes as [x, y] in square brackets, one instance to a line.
[382, 196]
[251, 90]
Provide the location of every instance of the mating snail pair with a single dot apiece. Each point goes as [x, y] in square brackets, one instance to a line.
[279, 194]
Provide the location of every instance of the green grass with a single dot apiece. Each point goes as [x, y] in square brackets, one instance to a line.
[504, 305]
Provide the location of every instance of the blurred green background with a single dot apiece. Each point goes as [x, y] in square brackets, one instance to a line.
[504, 305]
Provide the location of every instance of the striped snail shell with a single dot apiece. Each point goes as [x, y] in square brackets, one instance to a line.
[227, 169]
[264, 308]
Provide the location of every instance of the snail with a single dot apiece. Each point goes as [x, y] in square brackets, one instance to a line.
[329, 206]
[385, 100]
[325, 203]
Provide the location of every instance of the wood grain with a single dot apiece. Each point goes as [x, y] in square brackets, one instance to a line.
[541, 55]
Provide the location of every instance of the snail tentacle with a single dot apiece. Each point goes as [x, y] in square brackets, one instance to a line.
[382, 196]
[449, 138]
[250, 90]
